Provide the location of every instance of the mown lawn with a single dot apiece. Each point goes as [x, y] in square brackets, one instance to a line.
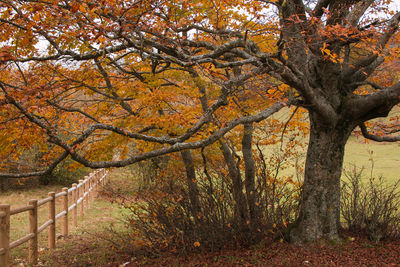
[382, 158]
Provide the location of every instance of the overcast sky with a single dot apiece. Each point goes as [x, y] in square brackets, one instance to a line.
[396, 5]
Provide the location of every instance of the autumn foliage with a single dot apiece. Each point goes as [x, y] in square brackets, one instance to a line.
[194, 84]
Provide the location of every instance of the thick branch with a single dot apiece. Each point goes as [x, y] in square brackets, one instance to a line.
[298, 80]
[320, 7]
[358, 11]
[374, 105]
[377, 138]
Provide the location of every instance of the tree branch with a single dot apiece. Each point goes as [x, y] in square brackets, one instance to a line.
[178, 146]
[358, 11]
[362, 69]
[320, 6]
[377, 138]
[48, 169]
[366, 107]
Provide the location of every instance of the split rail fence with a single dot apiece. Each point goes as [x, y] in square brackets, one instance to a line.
[79, 195]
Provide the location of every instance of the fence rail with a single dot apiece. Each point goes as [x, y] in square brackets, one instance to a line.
[79, 195]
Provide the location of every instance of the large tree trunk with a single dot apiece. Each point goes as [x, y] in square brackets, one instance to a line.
[320, 202]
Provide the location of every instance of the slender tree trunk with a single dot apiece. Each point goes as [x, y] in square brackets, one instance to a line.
[192, 184]
[320, 202]
[4, 182]
[250, 176]
[241, 210]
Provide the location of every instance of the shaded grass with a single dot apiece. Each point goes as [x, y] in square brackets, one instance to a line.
[97, 238]
[89, 244]
[93, 244]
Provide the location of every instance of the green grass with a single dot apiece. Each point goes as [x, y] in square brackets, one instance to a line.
[382, 158]
[92, 244]
[19, 223]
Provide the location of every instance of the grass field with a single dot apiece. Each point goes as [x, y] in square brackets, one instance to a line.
[382, 158]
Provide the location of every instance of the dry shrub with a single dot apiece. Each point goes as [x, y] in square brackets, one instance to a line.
[161, 215]
[370, 205]
[279, 195]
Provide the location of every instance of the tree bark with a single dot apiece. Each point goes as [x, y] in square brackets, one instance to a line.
[320, 199]
[249, 171]
[192, 184]
[4, 183]
[241, 211]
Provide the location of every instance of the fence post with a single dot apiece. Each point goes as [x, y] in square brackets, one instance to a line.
[86, 181]
[5, 234]
[88, 190]
[91, 187]
[103, 175]
[65, 204]
[95, 184]
[33, 229]
[52, 216]
[81, 192]
[75, 208]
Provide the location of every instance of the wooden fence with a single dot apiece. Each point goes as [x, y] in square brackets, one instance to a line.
[79, 195]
